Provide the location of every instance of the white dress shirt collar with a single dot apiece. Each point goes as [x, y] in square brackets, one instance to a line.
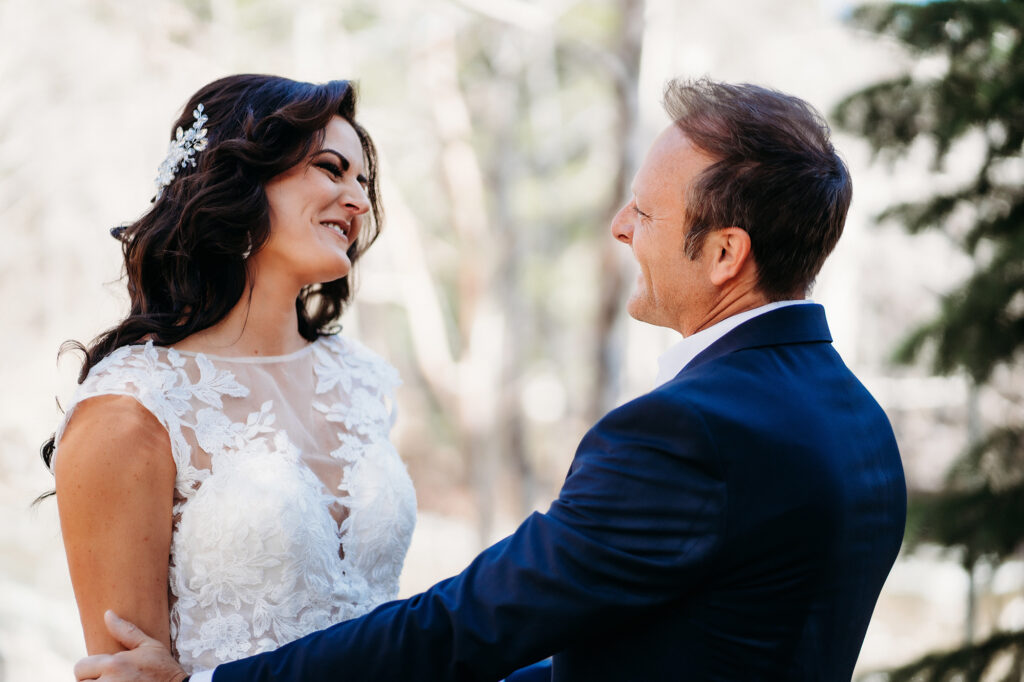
[679, 355]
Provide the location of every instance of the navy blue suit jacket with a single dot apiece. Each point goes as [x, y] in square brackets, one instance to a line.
[736, 523]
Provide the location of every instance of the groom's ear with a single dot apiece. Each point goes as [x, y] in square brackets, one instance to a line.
[729, 255]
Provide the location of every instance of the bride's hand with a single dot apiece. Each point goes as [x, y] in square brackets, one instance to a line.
[146, 659]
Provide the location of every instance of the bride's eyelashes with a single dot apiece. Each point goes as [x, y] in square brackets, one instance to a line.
[338, 170]
[333, 169]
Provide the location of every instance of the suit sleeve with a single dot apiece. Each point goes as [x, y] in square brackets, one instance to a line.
[636, 524]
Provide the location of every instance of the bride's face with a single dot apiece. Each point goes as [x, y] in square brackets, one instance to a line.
[316, 209]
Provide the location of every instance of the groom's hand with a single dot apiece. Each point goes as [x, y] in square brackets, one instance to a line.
[146, 660]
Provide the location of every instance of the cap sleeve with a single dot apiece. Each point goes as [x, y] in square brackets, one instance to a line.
[152, 379]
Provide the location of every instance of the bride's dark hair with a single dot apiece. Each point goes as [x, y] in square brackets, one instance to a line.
[185, 259]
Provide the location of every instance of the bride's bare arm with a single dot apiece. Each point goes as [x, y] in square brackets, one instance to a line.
[115, 490]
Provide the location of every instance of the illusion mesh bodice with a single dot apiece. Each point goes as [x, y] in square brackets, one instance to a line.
[292, 509]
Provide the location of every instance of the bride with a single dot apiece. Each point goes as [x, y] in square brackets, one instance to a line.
[224, 476]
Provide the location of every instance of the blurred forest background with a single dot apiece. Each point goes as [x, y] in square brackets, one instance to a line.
[509, 132]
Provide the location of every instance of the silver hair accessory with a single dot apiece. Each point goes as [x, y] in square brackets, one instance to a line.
[182, 150]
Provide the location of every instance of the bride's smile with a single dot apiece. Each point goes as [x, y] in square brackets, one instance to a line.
[316, 209]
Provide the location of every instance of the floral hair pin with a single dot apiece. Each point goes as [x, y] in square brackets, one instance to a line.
[182, 150]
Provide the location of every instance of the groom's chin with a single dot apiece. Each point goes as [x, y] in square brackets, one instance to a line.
[639, 308]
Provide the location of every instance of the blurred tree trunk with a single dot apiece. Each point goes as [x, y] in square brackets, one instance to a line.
[509, 105]
[505, 110]
[480, 323]
[625, 72]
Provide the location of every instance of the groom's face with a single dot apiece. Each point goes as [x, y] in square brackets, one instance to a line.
[671, 290]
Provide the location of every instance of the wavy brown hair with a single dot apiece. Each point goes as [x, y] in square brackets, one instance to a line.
[185, 259]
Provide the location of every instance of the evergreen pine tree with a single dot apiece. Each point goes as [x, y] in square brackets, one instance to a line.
[980, 327]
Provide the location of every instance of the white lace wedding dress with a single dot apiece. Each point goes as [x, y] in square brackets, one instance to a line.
[292, 509]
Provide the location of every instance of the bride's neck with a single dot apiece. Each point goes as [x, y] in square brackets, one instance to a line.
[264, 322]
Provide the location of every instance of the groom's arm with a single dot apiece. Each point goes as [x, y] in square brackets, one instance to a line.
[636, 525]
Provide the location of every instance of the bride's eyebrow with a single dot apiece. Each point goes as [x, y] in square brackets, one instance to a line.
[345, 165]
[341, 157]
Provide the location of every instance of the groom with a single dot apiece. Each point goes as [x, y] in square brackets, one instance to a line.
[735, 523]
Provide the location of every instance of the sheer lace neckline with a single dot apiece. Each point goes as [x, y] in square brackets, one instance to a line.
[246, 359]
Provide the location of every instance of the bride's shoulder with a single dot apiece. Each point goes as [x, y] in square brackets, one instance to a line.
[114, 422]
[114, 419]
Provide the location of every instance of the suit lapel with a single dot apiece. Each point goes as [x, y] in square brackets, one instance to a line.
[791, 324]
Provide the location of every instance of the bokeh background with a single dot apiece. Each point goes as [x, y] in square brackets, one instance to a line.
[509, 131]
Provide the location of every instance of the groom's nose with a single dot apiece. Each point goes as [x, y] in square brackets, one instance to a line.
[622, 226]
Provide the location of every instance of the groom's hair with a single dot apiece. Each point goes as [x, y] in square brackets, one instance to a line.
[775, 174]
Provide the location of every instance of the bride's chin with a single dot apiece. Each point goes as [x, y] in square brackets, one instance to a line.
[338, 273]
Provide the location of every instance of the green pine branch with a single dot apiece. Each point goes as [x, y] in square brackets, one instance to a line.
[972, 90]
[1000, 658]
[980, 323]
[982, 507]
[985, 521]
[983, 82]
[980, 92]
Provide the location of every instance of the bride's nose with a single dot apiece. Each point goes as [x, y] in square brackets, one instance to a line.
[356, 201]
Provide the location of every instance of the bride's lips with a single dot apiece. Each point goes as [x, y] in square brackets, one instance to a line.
[340, 228]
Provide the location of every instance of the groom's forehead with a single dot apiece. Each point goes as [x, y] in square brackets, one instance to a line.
[672, 162]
